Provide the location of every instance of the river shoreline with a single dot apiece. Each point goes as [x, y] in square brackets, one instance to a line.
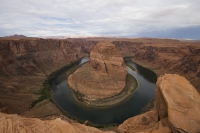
[81, 112]
[130, 88]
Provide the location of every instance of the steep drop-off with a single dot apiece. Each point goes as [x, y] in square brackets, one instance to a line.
[24, 65]
[178, 107]
[165, 56]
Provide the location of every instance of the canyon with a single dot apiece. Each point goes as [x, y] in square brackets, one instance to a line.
[103, 77]
[26, 63]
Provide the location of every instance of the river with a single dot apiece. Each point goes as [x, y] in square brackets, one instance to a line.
[116, 114]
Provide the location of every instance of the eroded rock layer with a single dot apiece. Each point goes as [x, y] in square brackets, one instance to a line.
[25, 63]
[104, 76]
[178, 109]
[17, 124]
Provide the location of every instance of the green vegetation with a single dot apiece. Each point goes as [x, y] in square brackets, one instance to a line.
[71, 69]
[131, 67]
[44, 92]
[135, 83]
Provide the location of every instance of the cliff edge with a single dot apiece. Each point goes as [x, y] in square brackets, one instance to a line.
[16, 124]
[177, 109]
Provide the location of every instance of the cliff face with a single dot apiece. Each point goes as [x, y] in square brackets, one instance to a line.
[24, 65]
[29, 57]
[164, 56]
[107, 60]
[188, 66]
[175, 61]
[128, 48]
[177, 109]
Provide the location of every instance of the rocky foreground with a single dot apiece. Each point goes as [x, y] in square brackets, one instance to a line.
[178, 107]
[103, 77]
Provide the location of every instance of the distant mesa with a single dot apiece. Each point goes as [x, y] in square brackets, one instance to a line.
[16, 36]
[104, 76]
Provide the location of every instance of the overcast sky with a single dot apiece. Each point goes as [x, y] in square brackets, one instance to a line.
[116, 18]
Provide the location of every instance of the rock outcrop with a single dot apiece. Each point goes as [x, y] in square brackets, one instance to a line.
[188, 66]
[107, 60]
[144, 122]
[178, 100]
[104, 76]
[16, 124]
[177, 109]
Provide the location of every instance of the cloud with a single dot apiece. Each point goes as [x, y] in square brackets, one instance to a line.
[100, 17]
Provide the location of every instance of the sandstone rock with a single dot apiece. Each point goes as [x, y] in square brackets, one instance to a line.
[178, 109]
[15, 123]
[140, 123]
[127, 48]
[104, 76]
[150, 53]
[30, 56]
[107, 60]
[24, 64]
[163, 130]
[179, 100]
[42, 109]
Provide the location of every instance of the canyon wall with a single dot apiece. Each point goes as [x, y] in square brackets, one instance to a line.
[29, 57]
[165, 56]
[25, 63]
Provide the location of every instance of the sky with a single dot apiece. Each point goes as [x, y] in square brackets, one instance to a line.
[110, 18]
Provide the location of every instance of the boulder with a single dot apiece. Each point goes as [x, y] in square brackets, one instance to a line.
[178, 100]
